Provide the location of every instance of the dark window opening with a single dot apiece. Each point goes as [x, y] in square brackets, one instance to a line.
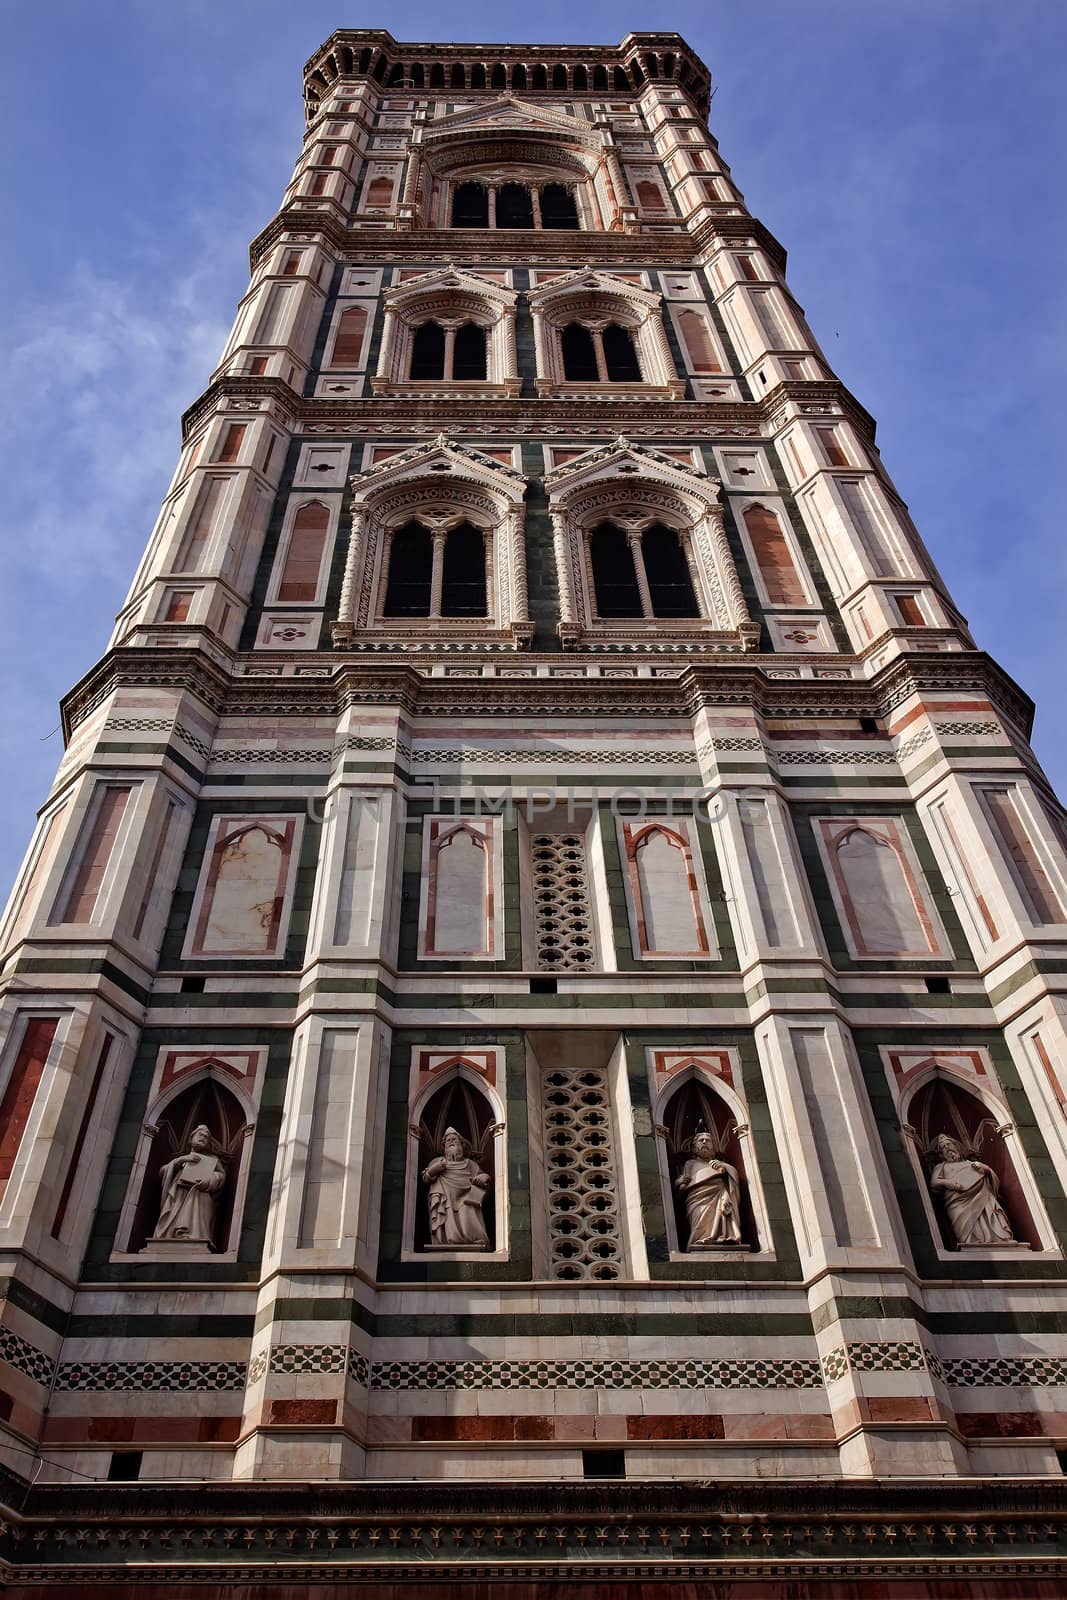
[418, 76]
[614, 575]
[620, 357]
[478, 77]
[468, 352]
[540, 77]
[938, 986]
[869, 725]
[669, 583]
[470, 206]
[407, 593]
[514, 206]
[600, 77]
[396, 77]
[459, 77]
[499, 78]
[544, 986]
[558, 209]
[437, 76]
[603, 1463]
[581, 78]
[124, 1466]
[518, 77]
[428, 352]
[579, 354]
[463, 585]
[193, 985]
[622, 82]
[559, 77]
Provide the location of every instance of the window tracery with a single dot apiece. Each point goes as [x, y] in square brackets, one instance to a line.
[451, 327]
[640, 544]
[436, 539]
[591, 327]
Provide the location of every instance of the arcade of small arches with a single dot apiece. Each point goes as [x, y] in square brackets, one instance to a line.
[536, 77]
[514, 204]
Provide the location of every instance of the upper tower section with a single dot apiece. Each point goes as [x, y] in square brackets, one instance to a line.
[624, 69]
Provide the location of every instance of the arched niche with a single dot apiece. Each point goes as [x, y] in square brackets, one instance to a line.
[942, 1106]
[692, 1107]
[464, 1104]
[205, 1100]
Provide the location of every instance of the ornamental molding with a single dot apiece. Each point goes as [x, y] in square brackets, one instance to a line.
[510, 113]
[451, 283]
[581, 288]
[224, 687]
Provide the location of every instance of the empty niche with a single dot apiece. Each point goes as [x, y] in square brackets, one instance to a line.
[877, 887]
[242, 901]
[667, 912]
[460, 889]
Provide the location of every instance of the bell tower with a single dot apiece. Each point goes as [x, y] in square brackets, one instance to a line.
[532, 1024]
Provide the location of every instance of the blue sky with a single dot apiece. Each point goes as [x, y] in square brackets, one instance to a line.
[908, 153]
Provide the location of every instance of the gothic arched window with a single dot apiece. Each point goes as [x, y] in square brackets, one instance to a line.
[428, 352]
[470, 206]
[438, 574]
[558, 209]
[452, 353]
[514, 206]
[641, 575]
[620, 357]
[463, 573]
[670, 586]
[559, 77]
[540, 77]
[299, 580]
[499, 77]
[579, 354]
[468, 352]
[614, 573]
[407, 592]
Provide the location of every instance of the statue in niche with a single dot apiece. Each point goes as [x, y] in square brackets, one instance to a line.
[190, 1187]
[969, 1190]
[456, 1190]
[712, 1195]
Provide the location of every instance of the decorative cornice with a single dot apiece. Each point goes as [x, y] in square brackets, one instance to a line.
[411, 413]
[582, 249]
[729, 681]
[138, 1533]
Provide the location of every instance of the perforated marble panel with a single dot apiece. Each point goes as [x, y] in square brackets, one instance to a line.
[583, 1211]
[561, 902]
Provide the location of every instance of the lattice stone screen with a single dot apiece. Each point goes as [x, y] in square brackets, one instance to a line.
[561, 902]
[583, 1212]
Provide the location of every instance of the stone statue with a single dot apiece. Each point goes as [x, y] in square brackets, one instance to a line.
[969, 1190]
[191, 1183]
[712, 1197]
[457, 1188]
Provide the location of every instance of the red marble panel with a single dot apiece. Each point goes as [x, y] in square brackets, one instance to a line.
[679, 1426]
[1000, 1424]
[291, 1413]
[440, 1429]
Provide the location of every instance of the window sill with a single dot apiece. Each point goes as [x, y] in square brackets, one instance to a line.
[561, 388]
[480, 388]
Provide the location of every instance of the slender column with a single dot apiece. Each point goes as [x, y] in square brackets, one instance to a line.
[564, 580]
[438, 575]
[686, 538]
[601, 363]
[387, 554]
[385, 355]
[634, 541]
[519, 599]
[492, 205]
[535, 200]
[346, 611]
[450, 346]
